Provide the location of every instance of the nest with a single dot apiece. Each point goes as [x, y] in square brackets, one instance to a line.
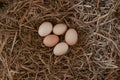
[96, 56]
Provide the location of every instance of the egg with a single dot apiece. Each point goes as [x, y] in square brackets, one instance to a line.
[45, 29]
[60, 49]
[50, 40]
[71, 37]
[59, 29]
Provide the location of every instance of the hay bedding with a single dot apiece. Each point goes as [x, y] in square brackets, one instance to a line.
[96, 56]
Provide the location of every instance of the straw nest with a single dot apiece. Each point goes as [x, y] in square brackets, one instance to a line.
[96, 56]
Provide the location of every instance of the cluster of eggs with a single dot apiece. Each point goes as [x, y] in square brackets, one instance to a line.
[51, 37]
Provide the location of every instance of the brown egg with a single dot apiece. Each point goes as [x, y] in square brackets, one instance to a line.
[51, 40]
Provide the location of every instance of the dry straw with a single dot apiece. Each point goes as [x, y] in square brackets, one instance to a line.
[95, 57]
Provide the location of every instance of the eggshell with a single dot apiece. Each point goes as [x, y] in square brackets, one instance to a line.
[71, 37]
[60, 49]
[51, 40]
[45, 29]
[59, 29]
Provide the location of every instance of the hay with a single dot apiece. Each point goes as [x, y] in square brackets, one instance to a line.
[24, 57]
